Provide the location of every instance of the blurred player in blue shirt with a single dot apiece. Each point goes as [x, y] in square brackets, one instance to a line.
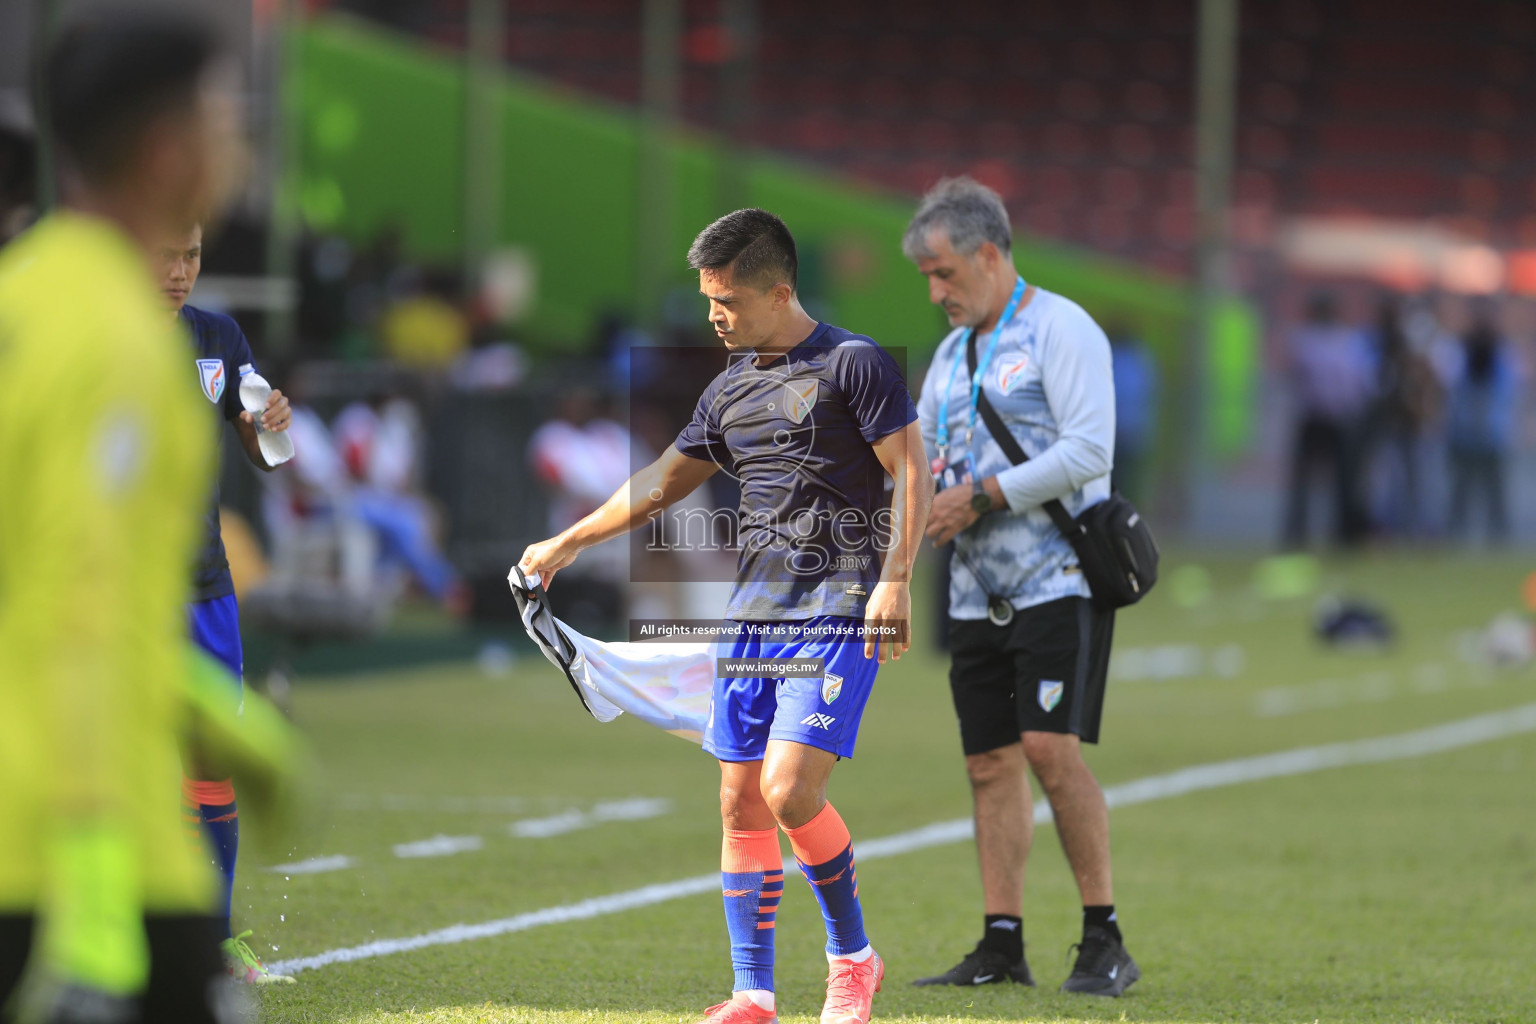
[219, 354]
[811, 420]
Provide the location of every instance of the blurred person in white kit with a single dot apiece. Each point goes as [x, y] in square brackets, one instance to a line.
[581, 456]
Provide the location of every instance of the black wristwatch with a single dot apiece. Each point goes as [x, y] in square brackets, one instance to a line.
[981, 501]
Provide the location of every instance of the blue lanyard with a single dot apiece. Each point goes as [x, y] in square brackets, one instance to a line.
[981, 369]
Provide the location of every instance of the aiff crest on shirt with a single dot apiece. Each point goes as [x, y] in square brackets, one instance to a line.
[1010, 374]
[800, 398]
[210, 373]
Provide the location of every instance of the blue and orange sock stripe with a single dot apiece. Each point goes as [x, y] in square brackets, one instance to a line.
[768, 900]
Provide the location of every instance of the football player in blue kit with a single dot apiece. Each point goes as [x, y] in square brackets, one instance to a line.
[810, 419]
[220, 354]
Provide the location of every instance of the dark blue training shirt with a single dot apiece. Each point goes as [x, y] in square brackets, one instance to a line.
[796, 434]
[220, 351]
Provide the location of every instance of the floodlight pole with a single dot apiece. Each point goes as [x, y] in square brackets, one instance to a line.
[1215, 102]
[282, 145]
[485, 35]
[661, 26]
[738, 22]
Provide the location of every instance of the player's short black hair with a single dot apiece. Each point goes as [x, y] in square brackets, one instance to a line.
[756, 246]
[107, 77]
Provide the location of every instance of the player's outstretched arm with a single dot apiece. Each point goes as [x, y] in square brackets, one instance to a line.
[903, 457]
[664, 482]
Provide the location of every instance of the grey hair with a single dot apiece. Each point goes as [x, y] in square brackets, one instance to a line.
[967, 210]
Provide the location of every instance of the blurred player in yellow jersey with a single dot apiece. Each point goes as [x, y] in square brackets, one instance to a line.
[105, 463]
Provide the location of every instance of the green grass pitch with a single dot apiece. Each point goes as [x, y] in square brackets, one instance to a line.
[1402, 891]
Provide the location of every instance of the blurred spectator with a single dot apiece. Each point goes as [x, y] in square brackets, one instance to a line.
[1331, 374]
[1136, 386]
[380, 442]
[427, 329]
[318, 483]
[344, 291]
[364, 473]
[689, 551]
[380, 445]
[1408, 400]
[582, 457]
[1480, 429]
[493, 363]
[614, 343]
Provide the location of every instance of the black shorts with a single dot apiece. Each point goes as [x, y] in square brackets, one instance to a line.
[188, 983]
[1043, 672]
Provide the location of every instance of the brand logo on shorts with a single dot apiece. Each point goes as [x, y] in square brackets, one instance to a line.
[831, 688]
[1050, 693]
[799, 398]
[820, 721]
[210, 374]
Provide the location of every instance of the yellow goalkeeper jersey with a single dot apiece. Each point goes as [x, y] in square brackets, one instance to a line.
[105, 464]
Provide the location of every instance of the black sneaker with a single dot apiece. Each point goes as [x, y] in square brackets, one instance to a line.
[1103, 967]
[982, 967]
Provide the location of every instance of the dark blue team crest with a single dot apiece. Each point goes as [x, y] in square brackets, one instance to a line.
[210, 373]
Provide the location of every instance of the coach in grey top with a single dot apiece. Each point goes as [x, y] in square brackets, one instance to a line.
[1029, 648]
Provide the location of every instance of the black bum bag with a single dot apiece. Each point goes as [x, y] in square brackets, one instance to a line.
[1115, 549]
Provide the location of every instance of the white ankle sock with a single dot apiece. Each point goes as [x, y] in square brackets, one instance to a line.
[761, 997]
[858, 958]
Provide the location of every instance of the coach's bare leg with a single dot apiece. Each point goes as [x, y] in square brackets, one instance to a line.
[1077, 804]
[1005, 825]
[794, 781]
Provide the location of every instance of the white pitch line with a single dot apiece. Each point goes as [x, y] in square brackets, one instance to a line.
[313, 866]
[1436, 739]
[417, 804]
[613, 810]
[439, 846]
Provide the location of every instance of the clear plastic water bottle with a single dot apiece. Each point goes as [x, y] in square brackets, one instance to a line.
[276, 447]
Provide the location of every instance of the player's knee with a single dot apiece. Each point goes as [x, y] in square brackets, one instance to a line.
[741, 806]
[793, 799]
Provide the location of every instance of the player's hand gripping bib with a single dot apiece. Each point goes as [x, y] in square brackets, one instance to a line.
[662, 684]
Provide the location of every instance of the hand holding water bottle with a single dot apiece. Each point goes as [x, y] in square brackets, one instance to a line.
[268, 411]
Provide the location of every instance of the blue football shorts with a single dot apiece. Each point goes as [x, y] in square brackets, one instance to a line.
[215, 627]
[820, 711]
